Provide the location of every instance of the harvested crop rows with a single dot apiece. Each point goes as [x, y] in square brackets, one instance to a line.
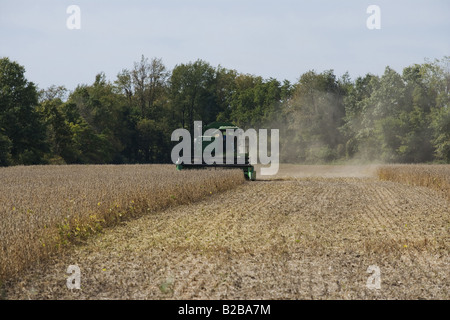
[292, 237]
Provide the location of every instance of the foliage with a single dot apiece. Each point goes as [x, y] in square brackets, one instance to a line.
[396, 117]
[22, 133]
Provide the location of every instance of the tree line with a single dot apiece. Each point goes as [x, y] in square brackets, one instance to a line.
[402, 118]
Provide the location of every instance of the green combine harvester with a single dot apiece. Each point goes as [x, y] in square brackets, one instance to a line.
[240, 159]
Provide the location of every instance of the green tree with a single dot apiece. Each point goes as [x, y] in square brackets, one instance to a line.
[381, 125]
[256, 102]
[439, 79]
[148, 80]
[5, 150]
[193, 93]
[101, 115]
[21, 125]
[441, 137]
[416, 141]
[355, 103]
[314, 114]
[225, 86]
[245, 107]
[59, 134]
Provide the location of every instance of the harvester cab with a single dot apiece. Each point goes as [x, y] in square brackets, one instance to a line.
[236, 158]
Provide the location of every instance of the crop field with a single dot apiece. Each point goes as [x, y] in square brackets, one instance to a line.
[150, 232]
[45, 208]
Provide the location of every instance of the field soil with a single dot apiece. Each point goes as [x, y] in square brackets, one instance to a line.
[312, 232]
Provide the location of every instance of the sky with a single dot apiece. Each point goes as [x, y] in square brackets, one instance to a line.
[279, 39]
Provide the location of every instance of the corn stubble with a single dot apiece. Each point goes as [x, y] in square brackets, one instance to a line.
[43, 209]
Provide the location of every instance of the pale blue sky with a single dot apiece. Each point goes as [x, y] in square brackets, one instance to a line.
[280, 39]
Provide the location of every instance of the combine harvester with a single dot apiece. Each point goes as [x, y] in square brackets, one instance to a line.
[240, 160]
